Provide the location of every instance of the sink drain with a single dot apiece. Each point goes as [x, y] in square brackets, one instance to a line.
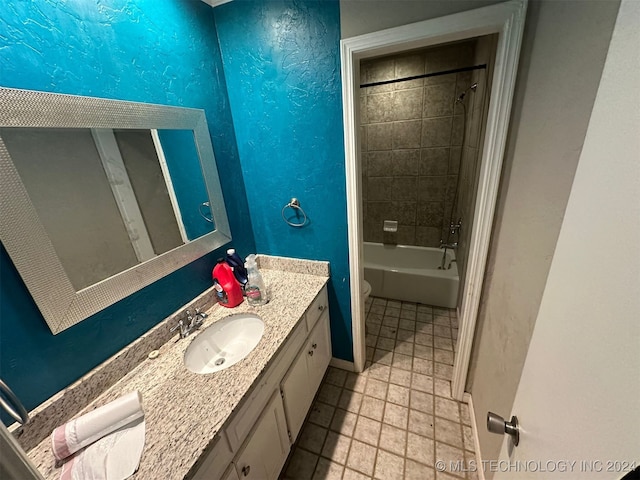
[219, 362]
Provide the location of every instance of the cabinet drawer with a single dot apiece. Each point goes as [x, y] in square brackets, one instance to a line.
[245, 418]
[216, 461]
[319, 305]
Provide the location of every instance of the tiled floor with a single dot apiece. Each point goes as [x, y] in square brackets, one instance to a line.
[395, 420]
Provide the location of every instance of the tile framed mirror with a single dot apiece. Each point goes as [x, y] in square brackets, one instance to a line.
[100, 198]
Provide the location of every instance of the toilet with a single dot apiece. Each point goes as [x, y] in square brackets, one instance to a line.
[366, 289]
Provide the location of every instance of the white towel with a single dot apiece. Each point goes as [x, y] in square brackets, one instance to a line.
[108, 441]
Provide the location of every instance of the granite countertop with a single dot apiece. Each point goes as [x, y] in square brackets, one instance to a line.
[184, 410]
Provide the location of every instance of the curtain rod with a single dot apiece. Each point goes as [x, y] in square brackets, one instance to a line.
[425, 75]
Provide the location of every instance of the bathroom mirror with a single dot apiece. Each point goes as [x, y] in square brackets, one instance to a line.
[101, 198]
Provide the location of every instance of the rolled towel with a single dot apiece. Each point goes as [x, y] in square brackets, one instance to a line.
[85, 430]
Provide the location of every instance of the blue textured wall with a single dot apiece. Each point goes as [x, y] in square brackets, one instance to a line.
[282, 65]
[144, 50]
[188, 184]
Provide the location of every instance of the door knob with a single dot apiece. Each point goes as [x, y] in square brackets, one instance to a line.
[497, 424]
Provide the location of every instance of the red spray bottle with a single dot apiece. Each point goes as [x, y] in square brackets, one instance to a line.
[227, 289]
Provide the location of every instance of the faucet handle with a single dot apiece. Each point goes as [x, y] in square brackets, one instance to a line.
[200, 314]
[179, 325]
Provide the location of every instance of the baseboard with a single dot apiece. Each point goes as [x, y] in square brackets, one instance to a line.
[342, 364]
[476, 440]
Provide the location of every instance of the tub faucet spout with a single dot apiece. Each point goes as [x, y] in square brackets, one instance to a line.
[449, 245]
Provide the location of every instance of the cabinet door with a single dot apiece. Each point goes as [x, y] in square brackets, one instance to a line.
[267, 447]
[296, 394]
[216, 461]
[320, 344]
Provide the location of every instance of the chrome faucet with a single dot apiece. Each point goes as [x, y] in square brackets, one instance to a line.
[448, 245]
[192, 324]
[455, 227]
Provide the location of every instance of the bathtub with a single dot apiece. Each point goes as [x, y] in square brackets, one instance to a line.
[411, 274]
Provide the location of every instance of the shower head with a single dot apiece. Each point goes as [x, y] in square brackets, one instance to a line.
[473, 87]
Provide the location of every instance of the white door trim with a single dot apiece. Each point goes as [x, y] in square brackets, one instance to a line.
[506, 19]
[123, 193]
[164, 167]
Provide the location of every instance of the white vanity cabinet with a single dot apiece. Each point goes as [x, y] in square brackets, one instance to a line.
[258, 438]
[267, 448]
[301, 382]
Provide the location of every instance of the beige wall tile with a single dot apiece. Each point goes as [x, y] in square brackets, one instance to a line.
[438, 100]
[405, 162]
[434, 161]
[380, 108]
[436, 132]
[405, 189]
[408, 65]
[407, 104]
[379, 137]
[428, 236]
[380, 188]
[406, 134]
[429, 214]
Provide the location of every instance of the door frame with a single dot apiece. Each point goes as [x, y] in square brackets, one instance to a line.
[507, 19]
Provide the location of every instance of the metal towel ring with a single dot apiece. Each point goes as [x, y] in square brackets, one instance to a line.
[205, 204]
[294, 204]
[13, 406]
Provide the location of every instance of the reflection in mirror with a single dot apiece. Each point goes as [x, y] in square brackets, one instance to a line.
[185, 172]
[132, 194]
[101, 198]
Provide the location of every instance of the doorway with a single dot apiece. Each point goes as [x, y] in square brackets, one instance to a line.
[505, 19]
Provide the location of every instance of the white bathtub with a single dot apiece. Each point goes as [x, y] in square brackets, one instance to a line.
[411, 274]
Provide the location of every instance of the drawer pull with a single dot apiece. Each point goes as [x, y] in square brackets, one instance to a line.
[311, 353]
[245, 470]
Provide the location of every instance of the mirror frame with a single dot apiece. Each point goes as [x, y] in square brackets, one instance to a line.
[24, 235]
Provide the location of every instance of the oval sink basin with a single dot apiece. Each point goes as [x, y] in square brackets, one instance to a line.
[224, 343]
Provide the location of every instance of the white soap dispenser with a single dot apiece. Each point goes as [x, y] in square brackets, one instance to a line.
[255, 290]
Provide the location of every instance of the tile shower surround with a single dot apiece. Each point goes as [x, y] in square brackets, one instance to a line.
[411, 143]
[397, 418]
